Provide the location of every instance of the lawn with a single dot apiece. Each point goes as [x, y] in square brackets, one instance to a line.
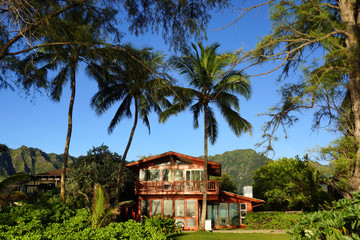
[228, 236]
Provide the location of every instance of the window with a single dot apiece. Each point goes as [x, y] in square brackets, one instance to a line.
[150, 175]
[223, 214]
[212, 213]
[191, 222]
[156, 208]
[178, 175]
[179, 208]
[168, 208]
[166, 175]
[243, 211]
[163, 163]
[190, 208]
[145, 208]
[194, 175]
[234, 214]
[179, 162]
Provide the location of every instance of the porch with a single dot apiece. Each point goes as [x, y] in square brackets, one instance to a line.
[175, 187]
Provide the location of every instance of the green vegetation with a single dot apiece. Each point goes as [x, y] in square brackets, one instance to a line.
[228, 236]
[290, 184]
[270, 220]
[240, 164]
[341, 221]
[226, 182]
[49, 218]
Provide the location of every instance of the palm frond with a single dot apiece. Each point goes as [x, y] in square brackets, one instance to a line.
[123, 110]
[212, 125]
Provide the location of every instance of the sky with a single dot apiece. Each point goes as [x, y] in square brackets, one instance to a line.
[36, 121]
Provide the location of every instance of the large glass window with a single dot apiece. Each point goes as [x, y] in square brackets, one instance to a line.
[178, 175]
[212, 213]
[150, 175]
[168, 208]
[194, 175]
[179, 208]
[145, 208]
[223, 214]
[234, 214]
[190, 208]
[156, 208]
[166, 175]
[243, 211]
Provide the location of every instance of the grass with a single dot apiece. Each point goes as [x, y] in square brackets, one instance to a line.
[228, 236]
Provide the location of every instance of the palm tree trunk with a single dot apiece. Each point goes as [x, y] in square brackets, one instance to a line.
[119, 178]
[69, 131]
[204, 201]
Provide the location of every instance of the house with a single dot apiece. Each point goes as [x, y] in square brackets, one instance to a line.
[170, 185]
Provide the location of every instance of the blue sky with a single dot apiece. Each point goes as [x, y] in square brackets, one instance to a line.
[36, 121]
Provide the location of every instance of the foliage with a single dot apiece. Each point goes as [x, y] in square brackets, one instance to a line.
[341, 221]
[164, 225]
[229, 235]
[226, 183]
[341, 154]
[290, 183]
[49, 218]
[100, 166]
[100, 209]
[240, 164]
[270, 220]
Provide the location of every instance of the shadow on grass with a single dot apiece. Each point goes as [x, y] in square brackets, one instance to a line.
[177, 236]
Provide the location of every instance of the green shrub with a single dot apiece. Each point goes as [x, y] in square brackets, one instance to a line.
[342, 221]
[164, 225]
[270, 220]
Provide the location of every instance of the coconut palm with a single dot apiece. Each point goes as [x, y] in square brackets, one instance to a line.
[132, 82]
[209, 84]
[83, 30]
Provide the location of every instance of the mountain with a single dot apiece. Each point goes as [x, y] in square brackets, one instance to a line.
[240, 164]
[30, 160]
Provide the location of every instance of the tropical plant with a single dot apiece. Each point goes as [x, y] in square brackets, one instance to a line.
[133, 79]
[209, 83]
[226, 183]
[290, 184]
[76, 26]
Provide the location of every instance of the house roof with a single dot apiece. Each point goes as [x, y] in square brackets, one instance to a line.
[214, 168]
[228, 195]
[52, 173]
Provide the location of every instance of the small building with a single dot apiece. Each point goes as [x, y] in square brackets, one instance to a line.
[170, 185]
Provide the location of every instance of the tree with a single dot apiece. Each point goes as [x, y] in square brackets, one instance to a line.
[133, 79]
[209, 84]
[327, 32]
[99, 166]
[226, 183]
[25, 24]
[290, 184]
[76, 25]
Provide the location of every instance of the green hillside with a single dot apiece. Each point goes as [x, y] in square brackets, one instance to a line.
[30, 160]
[240, 164]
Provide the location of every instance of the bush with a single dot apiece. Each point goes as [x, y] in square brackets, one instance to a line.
[342, 221]
[164, 225]
[271, 220]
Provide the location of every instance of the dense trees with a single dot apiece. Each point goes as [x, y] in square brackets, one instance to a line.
[290, 184]
[204, 69]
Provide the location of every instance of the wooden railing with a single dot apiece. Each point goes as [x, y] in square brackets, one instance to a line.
[184, 187]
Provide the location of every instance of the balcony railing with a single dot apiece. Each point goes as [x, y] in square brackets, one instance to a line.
[176, 187]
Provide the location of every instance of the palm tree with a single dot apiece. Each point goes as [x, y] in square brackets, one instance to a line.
[132, 80]
[209, 83]
[83, 30]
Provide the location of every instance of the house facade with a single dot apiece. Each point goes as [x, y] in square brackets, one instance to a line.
[170, 185]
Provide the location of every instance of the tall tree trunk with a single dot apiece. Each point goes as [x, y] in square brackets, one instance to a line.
[119, 178]
[69, 131]
[351, 18]
[204, 200]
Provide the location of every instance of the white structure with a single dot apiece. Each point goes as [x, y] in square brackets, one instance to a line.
[248, 191]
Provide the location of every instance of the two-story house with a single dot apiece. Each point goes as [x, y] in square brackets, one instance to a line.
[170, 185]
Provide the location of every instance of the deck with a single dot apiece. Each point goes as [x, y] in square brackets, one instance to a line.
[176, 187]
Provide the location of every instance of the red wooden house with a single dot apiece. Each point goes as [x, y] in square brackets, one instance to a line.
[170, 185]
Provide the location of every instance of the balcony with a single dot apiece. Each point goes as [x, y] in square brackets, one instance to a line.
[176, 187]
